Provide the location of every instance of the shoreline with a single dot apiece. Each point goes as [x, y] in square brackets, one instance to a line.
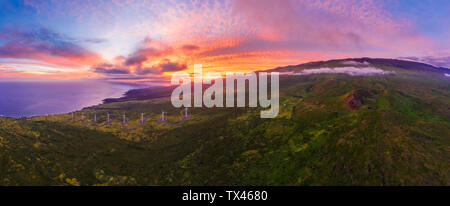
[31, 99]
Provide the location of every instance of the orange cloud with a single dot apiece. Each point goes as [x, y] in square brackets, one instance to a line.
[239, 35]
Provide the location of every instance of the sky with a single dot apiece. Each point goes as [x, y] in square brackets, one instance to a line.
[146, 41]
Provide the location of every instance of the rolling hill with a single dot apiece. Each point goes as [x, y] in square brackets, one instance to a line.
[357, 121]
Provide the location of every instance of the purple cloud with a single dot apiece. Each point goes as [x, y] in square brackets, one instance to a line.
[110, 69]
[144, 52]
[190, 47]
[43, 45]
[171, 66]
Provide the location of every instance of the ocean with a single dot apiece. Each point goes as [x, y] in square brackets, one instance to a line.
[33, 98]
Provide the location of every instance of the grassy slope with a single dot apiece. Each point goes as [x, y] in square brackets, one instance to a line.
[399, 135]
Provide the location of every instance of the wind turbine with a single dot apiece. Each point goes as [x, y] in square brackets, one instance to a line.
[163, 119]
[124, 120]
[186, 112]
[142, 119]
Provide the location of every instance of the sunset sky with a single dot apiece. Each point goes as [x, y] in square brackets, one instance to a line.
[147, 40]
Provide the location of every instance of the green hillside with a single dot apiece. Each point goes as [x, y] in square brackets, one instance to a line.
[333, 129]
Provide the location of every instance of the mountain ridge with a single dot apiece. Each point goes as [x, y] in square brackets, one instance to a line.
[400, 63]
[165, 91]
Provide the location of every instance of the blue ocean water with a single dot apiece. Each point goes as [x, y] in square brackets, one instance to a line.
[31, 98]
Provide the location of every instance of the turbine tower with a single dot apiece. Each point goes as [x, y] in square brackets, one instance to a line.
[163, 119]
[124, 122]
[186, 112]
[142, 119]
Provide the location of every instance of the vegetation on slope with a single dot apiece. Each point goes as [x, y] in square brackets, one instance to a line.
[333, 129]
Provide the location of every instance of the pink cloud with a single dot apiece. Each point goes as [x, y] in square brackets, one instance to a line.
[245, 34]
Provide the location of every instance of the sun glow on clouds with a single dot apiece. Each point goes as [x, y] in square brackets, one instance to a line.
[148, 40]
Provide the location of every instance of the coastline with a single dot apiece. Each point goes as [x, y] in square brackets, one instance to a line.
[151, 92]
[32, 99]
